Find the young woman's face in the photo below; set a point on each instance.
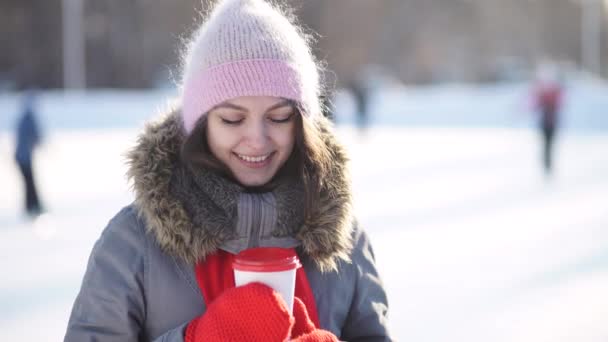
(253, 136)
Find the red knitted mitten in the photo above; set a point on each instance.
(253, 312)
(304, 330)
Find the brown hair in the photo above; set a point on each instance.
(310, 159)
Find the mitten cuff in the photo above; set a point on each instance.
(189, 334)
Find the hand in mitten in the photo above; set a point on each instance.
(253, 312)
(304, 330)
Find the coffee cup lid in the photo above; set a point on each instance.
(266, 259)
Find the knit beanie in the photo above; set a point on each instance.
(247, 48)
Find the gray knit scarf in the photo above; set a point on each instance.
(238, 218)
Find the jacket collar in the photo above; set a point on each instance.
(154, 164)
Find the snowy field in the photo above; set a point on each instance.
(472, 241)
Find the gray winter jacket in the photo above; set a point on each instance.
(140, 284)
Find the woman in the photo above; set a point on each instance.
(247, 161)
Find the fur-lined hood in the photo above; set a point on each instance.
(325, 237)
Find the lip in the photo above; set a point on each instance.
(256, 165)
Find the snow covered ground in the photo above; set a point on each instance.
(472, 241)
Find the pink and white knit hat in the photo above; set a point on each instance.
(247, 48)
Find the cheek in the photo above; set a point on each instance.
(285, 142)
(218, 142)
(286, 139)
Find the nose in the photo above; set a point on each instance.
(257, 136)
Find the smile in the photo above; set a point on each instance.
(253, 159)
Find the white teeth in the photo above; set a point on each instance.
(253, 159)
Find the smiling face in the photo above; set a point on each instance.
(253, 136)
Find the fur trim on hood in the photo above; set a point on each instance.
(325, 237)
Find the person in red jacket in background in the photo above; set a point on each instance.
(548, 93)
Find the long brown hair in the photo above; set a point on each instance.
(309, 160)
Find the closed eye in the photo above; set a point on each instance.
(282, 120)
(232, 122)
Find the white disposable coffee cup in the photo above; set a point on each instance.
(275, 267)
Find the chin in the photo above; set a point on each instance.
(253, 182)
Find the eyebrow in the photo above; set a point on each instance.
(226, 104)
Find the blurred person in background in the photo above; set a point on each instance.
(547, 98)
(245, 160)
(27, 139)
(360, 92)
